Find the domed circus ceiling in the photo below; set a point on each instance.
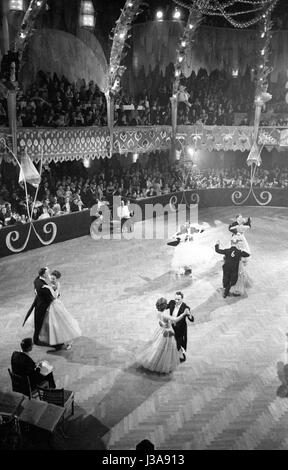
(56, 51)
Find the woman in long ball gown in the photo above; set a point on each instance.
(188, 252)
(238, 236)
(59, 327)
(160, 354)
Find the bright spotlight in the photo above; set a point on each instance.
(159, 15)
(176, 14)
(190, 151)
(86, 162)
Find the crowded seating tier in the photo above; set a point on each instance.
(74, 190)
(211, 99)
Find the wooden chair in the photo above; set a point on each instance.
(57, 396)
(10, 434)
(21, 384)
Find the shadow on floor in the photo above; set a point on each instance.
(85, 351)
(132, 387)
(167, 281)
(202, 313)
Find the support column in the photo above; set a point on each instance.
(110, 118)
(174, 107)
(11, 102)
(5, 34)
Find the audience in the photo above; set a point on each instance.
(210, 99)
(55, 102)
(75, 190)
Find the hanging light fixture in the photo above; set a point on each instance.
(87, 14)
(176, 14)
(16, 5)
(86, 162)
(159, 15)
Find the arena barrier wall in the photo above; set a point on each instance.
(24, 237)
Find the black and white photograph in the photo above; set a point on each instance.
(143, 227)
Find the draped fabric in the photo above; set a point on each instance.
(155, 43)
(52, 51)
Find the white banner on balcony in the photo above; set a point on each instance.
(283, 141)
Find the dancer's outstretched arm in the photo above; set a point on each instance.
(218, 250)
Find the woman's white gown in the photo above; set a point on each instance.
(58, 326)
(160, 353)
(244, 280)
(189, 253)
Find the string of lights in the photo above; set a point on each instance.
(251, 22)
(264, 50)
(237, 13)
(261, 94)
(217, 8)
(27, 24)
(186, 39)
(131, 9)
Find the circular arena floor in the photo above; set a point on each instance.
(227, 395)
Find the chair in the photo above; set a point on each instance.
(10, 434)
(57, 396)
(22, 384)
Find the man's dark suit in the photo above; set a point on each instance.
(22, 364)
(43, 299)
(231, 265)
(180, 328)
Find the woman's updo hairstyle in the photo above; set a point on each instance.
(161, 304)
(56, 273)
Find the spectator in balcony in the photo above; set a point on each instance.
(92, 194)
(66, 206)
(90, 118)
(3, 216)
(44, 214)
(22, 219)
(183, 96)
(151, 192)
(158, 186)
(68, 192)
(3, 116)
(56, 208)
(60, 193)
(79, 119)
(76, 204)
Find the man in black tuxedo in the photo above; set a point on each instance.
(43, 299)
(231, 265)
(177, 307)
(22, 364)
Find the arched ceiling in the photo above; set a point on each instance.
(52, 51)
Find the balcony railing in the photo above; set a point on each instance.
(72, 143)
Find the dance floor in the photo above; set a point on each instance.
(227, 395)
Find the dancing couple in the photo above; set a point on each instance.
(53, 324)
(187, 249)
(235, 279)
(167, 348)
